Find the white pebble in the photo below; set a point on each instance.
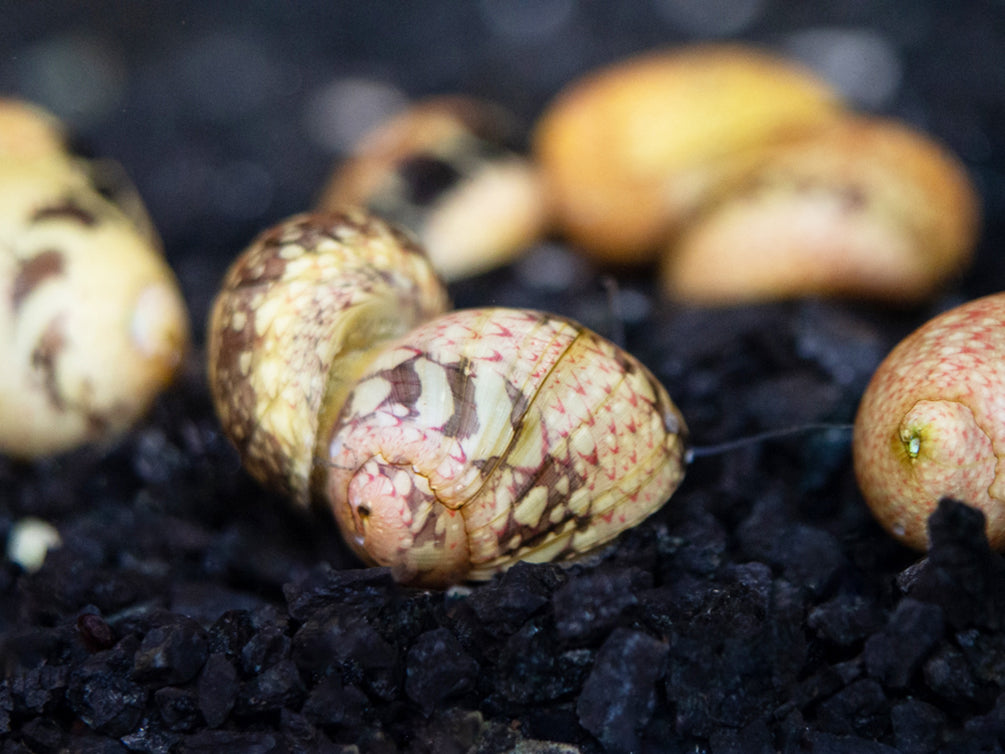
(29, 541)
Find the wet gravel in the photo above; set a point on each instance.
(761, 610)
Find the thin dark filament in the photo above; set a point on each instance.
(771, 434)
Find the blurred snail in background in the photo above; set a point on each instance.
(862, 207)
(448, 445)
(629, 151)
(443, 168)
(931, 423)
(29, 132)
(92, 323)
(744, 174)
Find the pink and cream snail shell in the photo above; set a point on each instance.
(448, 445)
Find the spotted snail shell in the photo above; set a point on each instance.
(931, 423)
(93, 325)
(449, 445)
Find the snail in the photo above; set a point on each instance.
(92, 323)
(629, 151)
(28, 132)
(931, 423)
(444, 169)
(862, 207)
(746, 179)
(447, 444)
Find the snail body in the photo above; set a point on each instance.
(455, 445)
(931, 423)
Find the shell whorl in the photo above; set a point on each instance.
(489, 436)
(931, 425)
(297, 318)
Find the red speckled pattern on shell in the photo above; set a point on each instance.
(524, 435)
(932, 423)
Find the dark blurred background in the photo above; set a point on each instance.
(229, 115)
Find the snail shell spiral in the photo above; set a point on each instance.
(295, 320)
(448, 445)
(932, 423)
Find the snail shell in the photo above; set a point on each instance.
(630, 150)
(861, 207)
(29, 132)
(294, 325)
(448, 445)
(931, 423)
(444, 169)
(92, 323)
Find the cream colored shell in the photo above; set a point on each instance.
(92, 324)
(864, 207)
(629, 151)
(442, 168)
(295, 320)
(28, 132)
(448, 445)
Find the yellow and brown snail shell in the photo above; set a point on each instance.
(448, 445)
(630, 150)
(444, 169)
(861, 207)
(749, 180)
(92, 323)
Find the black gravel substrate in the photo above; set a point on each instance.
(761, 610)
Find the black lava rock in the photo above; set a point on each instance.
(620, 693)
(437, 668)
(171, 653)
(895, 653)
(178, 708)
(961, 573)
(917, 726)
(332, 702)
(217, 689)
(532, 669)
(103, 696)
(274, 688)
(591, 606)
(845, 619)
(860, 708)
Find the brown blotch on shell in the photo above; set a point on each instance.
(68, 209)
(406, 388)
(464, 421)
(33, 272)
(44, 358)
